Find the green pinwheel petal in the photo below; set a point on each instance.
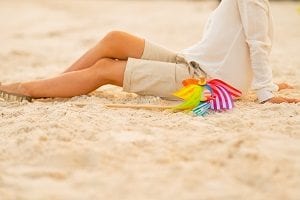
(192, 102)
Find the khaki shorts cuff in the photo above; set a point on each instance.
(128, 75)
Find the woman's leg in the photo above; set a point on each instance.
(80, 82)
(115, 45)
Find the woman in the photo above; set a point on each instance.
(235, 48)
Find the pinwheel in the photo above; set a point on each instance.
(200, 96)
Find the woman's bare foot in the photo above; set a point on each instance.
(14, 91)
(14, 88)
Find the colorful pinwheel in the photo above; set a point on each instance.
(201, 96)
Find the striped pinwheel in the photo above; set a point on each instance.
(200, 96)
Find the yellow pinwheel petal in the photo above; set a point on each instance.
(185, 92)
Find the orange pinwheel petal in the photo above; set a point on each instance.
(190, 81)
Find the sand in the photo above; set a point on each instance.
(79, 149)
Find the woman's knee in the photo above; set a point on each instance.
(113, 37)
(110, 70)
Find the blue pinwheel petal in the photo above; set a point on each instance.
(202, 108)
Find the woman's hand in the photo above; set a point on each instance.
(278, 100)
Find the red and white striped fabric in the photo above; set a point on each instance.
(222, 95)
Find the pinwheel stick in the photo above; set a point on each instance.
(136, 106)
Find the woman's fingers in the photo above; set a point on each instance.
(283, 86)
(278, 100)
(293, 100)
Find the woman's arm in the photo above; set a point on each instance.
(255, 18)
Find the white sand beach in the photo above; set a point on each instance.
(81, 150)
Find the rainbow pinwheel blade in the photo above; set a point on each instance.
(202, 109)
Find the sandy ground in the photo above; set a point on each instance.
(79, 149)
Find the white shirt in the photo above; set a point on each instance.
(236, 46)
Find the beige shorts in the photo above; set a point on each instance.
(159, 72)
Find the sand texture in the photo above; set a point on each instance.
(78, 149)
